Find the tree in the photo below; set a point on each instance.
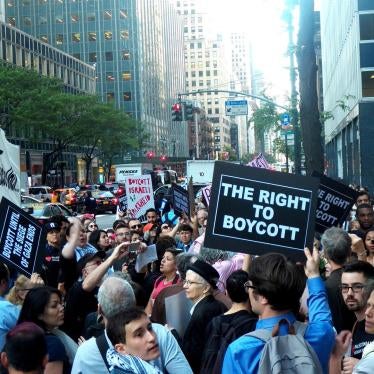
(311, 127)
(265, 119)
(279, 146)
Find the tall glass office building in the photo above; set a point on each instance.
(136, 47)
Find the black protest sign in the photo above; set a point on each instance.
(257, 211)
(22, 239)
(122, 203)
(335, 201)
(180, 198)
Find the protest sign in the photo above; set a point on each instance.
(122, 203)
(335, 201)
(181, 203)
(22, 240)
(139, 193)
(206, 193)
(10, 175)
(256, 211)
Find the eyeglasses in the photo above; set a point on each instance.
(123, 234)
(93, 226)
(355, 288)
(164, 227)
(248, 285)
(96, 263)
(135, 227)
(188, 283)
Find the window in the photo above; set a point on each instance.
(192, 45)
(123, 13)
(367, 78)
(127, 96)
(201, 83)
(27, 21)
(74, 18)
(367, 26)
(207, 73)
(126, 75)
(42, 20)
(11, 21)
(124, 34)
(215, 73)
(92, 36)
(201, 73)
(126, 55)
(193, 83)
(109, 96)
(108, 35)
(59, 19)
(107, 15)
(77, 55)
(110, 76)
(59, 39)
(91, 17)
(207, 64)
(92, 57)
(199, 45)
(208, 83)
(185, 29)
(26, 2)
(108, 56)
(76, 37)
(216, 110)
(193, 74)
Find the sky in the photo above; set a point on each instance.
(262, 21)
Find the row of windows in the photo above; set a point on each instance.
(201, 73)
(200, 64)
(27, 59)
(12, 3)
(200, 54)
(125, 95)
(208, 83)
(193, 29)
(125, 76)
(108, 56)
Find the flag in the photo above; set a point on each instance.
(259, 162)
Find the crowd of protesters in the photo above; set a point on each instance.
(93, 310)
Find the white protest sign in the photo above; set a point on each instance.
(146, 257)
(10, 175)
(139, 194)
(177, 310)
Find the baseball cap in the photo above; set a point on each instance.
(52, 226)
(83, 261)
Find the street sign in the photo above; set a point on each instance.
(236, 107)
(285, 118)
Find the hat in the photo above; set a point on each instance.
(205, 270)
(52, 226)
(87, 258)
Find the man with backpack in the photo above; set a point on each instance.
(280, 343)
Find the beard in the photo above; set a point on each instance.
(354, 305)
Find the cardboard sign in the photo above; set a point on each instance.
(256, 211)
(181, 203)
(335, 201)
(206, 193)
(22, 239)
(139, 193)
(122, 203)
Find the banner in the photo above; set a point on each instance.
(10, 174)
(180, 199)
(257, 211)
(139, 193)
(122, 203)
(335, 201)
(22, 239)
(259, 162)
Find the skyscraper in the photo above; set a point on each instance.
(135, 46)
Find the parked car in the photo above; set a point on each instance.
(43, 193)
(105, 201)
(43, 213)
(117, 189)
(29, 204)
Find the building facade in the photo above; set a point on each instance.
(348, 72)
(135, 47)
(23, 50)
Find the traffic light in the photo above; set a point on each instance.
(150, 155)
(188, 110)
(163, 158)
(177, 112)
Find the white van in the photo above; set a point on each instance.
(43, 193)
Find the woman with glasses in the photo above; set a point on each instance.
(44, 307)
(201, 281)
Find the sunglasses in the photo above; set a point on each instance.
(135, 227)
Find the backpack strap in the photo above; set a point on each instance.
(103, 346)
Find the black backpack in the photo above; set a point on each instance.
(223, 334)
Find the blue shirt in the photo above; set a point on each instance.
(8, 319)
(243, 355)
